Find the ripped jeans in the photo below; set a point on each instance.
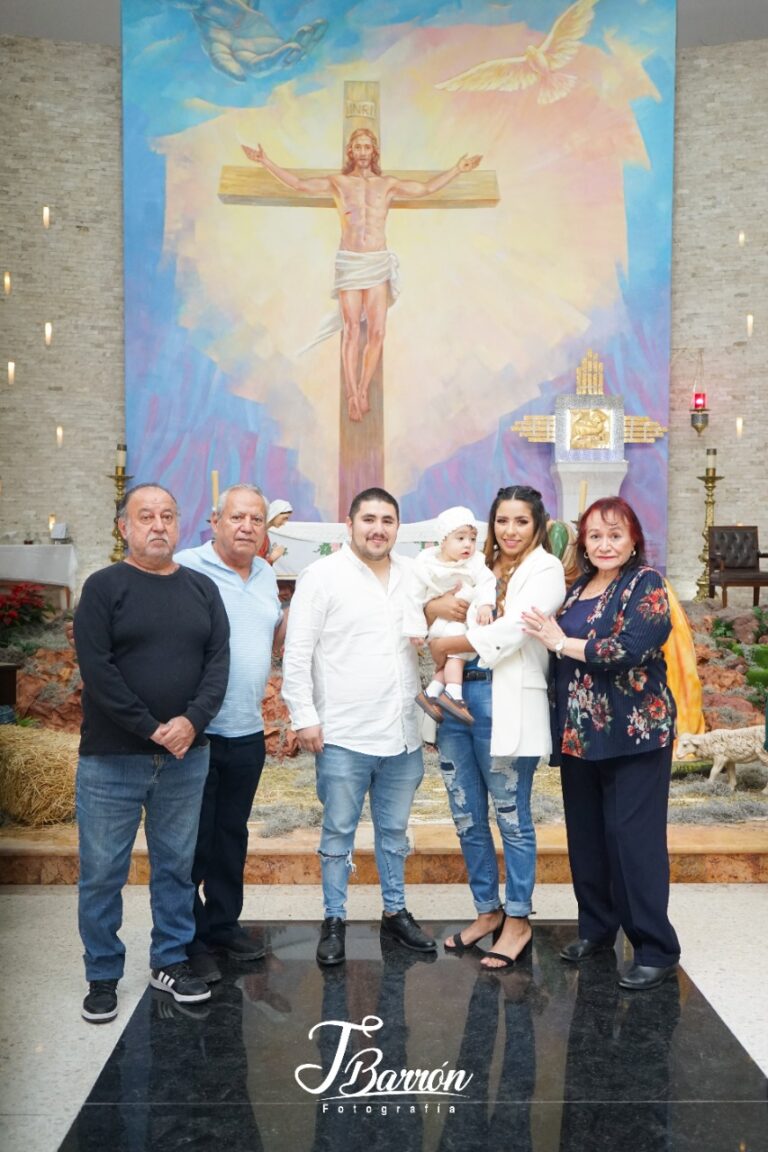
(471, 775)
(344, 777)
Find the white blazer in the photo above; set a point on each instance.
(520, 725)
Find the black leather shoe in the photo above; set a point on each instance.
(582, 949)
(403, 928)
(204, 965)
(640, 977)
(330, 949)
(241, 946)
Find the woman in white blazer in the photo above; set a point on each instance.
(506, 692)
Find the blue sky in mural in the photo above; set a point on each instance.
(175, 388)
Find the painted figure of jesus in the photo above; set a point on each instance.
(366, 271)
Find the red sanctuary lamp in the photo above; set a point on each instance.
(699, 410)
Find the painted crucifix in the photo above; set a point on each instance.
(366, 271)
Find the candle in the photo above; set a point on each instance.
(121, 456)
(750, 323)
(582, 496)
(711, 461)
(59, 435)
(739, 427)
(51, 521)
(214, 489)
(742, 239)
(699, 402)
(46, 217)
(11, 371)
(48, 333)
(7, 283)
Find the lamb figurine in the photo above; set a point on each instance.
(726, 747)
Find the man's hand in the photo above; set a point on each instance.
(447, 607)
(256, 154)
(159, 734)
(310, 739)
(178, 736)
(468, 163)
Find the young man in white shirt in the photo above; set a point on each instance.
(349, 680)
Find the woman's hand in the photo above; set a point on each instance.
(543, 628)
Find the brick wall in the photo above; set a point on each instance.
(61, 147)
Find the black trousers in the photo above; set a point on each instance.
(222, 841)
(616, 819)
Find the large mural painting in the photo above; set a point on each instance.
(362, 241)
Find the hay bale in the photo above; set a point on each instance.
(37, 774)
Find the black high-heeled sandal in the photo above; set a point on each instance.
(459, 947)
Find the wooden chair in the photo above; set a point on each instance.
(734, 560)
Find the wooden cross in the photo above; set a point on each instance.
(361, 444)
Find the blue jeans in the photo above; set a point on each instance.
(471, 775)
(111, 792)
(343, 779)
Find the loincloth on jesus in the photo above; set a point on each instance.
(356, 271)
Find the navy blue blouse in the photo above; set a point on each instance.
(615, 702)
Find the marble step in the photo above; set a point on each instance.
(699, 854)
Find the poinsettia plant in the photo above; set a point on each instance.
(23, 604)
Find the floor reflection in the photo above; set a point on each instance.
(401, 1051)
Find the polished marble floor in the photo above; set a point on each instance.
(542, 1058)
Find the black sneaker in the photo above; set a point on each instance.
(403, 928)
(181, 982)
(100, 1005)
(331, 949)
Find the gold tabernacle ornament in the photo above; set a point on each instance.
(589, 427)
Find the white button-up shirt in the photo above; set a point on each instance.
(347, 665)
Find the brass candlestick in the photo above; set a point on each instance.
(120, 479)
(709, 479)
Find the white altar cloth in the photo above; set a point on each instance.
(54, 564)
(306, 540)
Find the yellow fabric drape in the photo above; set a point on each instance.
(682, 675)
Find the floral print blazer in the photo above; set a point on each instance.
(616, 702)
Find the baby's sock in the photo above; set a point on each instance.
(434, 689)
(454, 691)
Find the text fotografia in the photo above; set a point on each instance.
(363, 1075)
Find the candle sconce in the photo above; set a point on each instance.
(120, 479)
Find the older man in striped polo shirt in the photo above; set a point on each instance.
(249, 590)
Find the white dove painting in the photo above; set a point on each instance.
(540, 64)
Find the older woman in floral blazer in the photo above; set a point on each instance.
(614, 725)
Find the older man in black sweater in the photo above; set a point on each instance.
(152, 641)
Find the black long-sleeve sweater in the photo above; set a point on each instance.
(150, 648)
